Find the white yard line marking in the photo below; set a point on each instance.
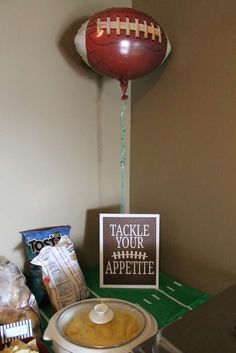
(175, 300)
(44, 315)
(147, 301)
(92, 292)
(155, 296)
(170, 288)
(177, 284)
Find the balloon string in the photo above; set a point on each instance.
(123, 155)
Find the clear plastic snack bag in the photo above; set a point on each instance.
(62, 275)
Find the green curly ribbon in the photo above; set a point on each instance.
(123, 155)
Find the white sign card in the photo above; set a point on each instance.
(20, 329)
(129, 250)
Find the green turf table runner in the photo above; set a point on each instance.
(171, 301)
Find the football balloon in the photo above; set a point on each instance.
(122, 43)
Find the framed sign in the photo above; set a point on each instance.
(129, 250)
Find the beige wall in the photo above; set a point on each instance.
(183, 134)
(59, 134)
(59, 125)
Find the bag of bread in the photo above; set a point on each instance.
(17, 303)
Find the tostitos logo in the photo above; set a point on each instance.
(36, 245)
